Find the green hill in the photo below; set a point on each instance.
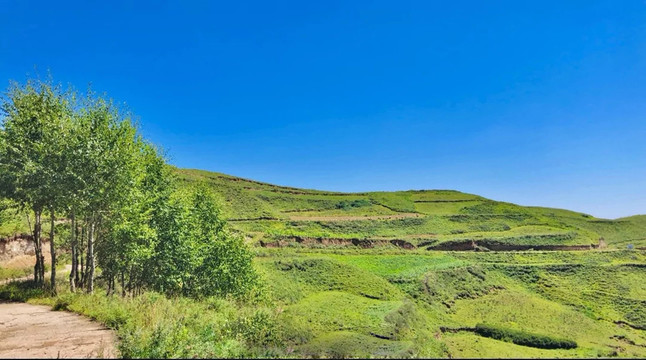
(435, 219)
(352, 276)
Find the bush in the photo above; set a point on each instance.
(21, 291)
(345, 204)
(524, 338)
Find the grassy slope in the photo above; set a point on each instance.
(395, 303)
(336, 301)
(353, 302)
(270, 212)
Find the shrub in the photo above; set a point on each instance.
(21, 291)
(345, 204)
(524, 338)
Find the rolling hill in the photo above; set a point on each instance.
(352, 277)
(272, 215)
(350, 274)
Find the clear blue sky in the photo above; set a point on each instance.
(537, 103)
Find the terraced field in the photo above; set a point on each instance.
(432, 219)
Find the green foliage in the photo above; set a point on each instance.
(83, 158)
(524, 338)
(12, 219)
(194, 254)
(163, 229)
(21, 291)
(345, 205)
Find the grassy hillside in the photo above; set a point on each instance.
(341, 284)
(427, 304)
(441, 219)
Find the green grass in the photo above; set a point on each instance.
(390, 303)
(154, 326)
(6, 274)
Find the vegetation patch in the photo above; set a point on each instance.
(523, 338)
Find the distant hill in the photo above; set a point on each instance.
(274, 215)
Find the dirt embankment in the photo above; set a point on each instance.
(466, 245)
(488, 245)
(354, 218)
(18, 251)
(314, 241)
(33, 331)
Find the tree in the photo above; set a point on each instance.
(34, 119)
(85, 160)
(107, 166)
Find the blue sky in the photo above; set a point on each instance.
(537, 103)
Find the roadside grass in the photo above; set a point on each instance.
(154, 326)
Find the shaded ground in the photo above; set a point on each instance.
(34, 331)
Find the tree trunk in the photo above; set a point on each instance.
(123, 285)
(33, 238)
(73, 275)
(52, 249)
(90, 258)
(39, 269)
(81, 282)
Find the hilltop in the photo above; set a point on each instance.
(272, 215)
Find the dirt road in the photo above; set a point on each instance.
(34, 331)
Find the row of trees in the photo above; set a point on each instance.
(80, 162)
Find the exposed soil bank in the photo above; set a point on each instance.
(19, 244)
(34, 331)
(312, 241)
(466, 245)
(356, 218)
(18, 251)
(489, 245)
